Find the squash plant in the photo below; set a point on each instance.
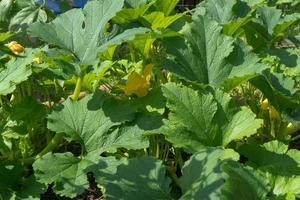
(133, 100)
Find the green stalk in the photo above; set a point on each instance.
(174, 176)
(179, 157)
(132, 53)
(157, 149)
(296, 138)
(77, 89)
(166, 152)
(146, 153)
(29, 90)
(51, 146)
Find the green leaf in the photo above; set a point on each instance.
(278, 164)
(13, 186)
(242, 124)
(284, 185)
(285, 23)
(280, 90)
(202, 176)
(82, 121)
(66, 171)
(31, 190)
(28, 109)
(166, 6)
(128, 15)
(129, 137)
(135, 4)
(207, 56)
(5, 36)
(137, 178)
(257, 35)
(194, 111)
(276, 25)
(206, 175)
(17, 70)
(5, 6)
(85, 122)
(27, 16)
(86, 36)
(243, 183)
(158, 20)
(245, 65)
(254, 3)
(231, 14)
(269, 17)
(10, 175)
(272, 157)
(202, 57)
(154, 101)
(198, 120)
(220, 10)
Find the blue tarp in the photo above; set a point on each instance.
(54, 4)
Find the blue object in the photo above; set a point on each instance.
(79, 3)
(55, 4)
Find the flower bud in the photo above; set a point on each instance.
(15, 47)
(37, 61)
(265, 104)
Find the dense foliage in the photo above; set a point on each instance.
(149, 103)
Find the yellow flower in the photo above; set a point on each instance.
(265, 104)
(137, 84)
(273, 113)
(15, 47)
(37, 61)
(290, 125)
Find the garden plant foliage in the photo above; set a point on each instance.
(137, 101)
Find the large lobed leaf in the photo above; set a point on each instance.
(207, 175)
(136, 179)
(15, 187)
(66, 172)
(209, 57)
(86, 35)
(86, 123)
(17, 70)
(198, 120)
(278, 164)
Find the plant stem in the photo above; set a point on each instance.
(28, 87)
(77, 89)
(157, 148)
(132, 53)
(173, 176)
(179, 157)
(51, 145)
(296, 138)
(166, 155)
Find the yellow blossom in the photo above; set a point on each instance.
(137, 84)
(273, 113)
(290, 125)
(265, 104)
(15, 47)
(37, 61)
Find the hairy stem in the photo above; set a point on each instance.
(51, 146)
(77, 89)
